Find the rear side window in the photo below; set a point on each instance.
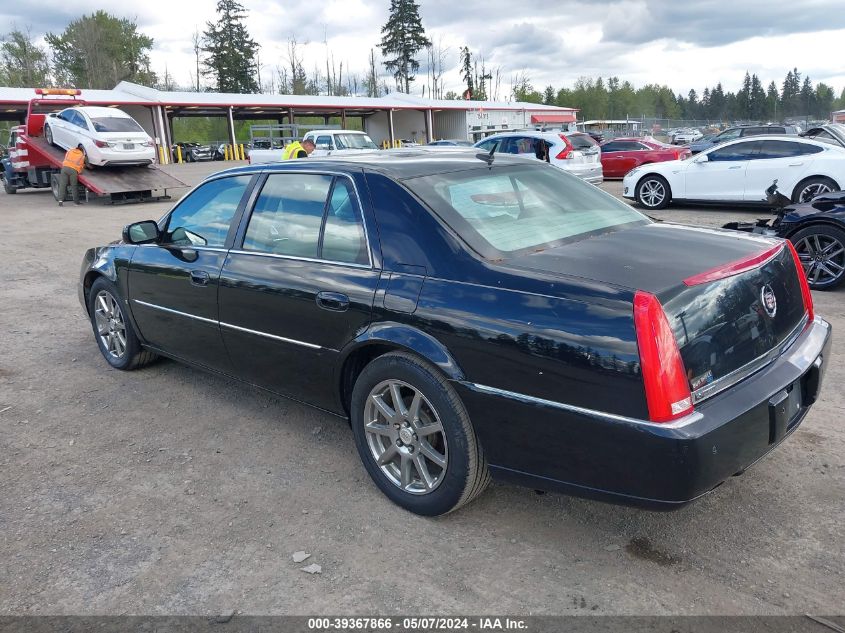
(775, 130)
(343, 236)
(203, 217)
(488, 144)
(784, 149)
(581, 141)
(751, 131)
(615, 147)
(288, 214)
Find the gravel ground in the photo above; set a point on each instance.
(171, 491)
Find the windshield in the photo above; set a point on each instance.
(503, 210)
(354, 141)
(115, 124)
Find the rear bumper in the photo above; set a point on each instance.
(557, 447)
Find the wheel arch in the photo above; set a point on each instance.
(813, 223)
(653, 173)
(382, 339)
(801, 182)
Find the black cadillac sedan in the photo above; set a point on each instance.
(473, 316)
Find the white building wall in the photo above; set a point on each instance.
(450, 124)
(407, 124)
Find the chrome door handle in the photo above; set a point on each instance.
(795, 164)
(199, 278)
(334, 301)
(736, 167)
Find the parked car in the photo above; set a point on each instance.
(686, 136)
(529, 327)
(598, 137)
(327, 143)
(621, 155)
(574, 152)
(816, 229)
(733, 133)
(833, 133)
(107, 136)
(193, 152)
(451, 143)
(740, 171)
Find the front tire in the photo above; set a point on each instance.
(808, 189)
(113, 332)
(415, 437)
(48, 134)
(653, 192)
(8, 187)
(821, 250)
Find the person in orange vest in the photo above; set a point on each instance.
(72, 166)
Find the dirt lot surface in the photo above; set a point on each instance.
(171, 491)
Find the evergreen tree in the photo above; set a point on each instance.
(23, 64)
(790, 94)
(230, 51)
(772, 102)
(549, 96)
(466, 71)
(693, 108)
(807, 97)
(403, 37)
(824, 101)
(757, 99)
(100, 51)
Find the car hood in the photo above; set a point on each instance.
(653, 257)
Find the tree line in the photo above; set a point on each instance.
(100, 50)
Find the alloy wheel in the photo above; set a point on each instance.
(652, 193)
(405, 437)
(812, 190)
(111, 327)
(823, 258)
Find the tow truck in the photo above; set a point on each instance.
(33, 163)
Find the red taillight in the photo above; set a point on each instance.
(102, 144)
(666, 388)
(567, 148)
(734, 268)
(802, 279)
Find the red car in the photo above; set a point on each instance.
(621, 155)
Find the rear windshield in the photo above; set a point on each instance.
(115, 124)
(354, 141)
(503, 210)
(581, 141)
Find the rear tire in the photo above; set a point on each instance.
(88, 164)
(653, 192)
(808, 189)
(415, 437)
(9, 187)
(821, 249)
(113, 332)
(54, 185)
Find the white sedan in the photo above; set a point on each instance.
(686, 136)
(741, 171)
(108, 136)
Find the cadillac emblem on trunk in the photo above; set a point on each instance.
(767, 298)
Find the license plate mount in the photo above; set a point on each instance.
(784, 411)
(129, 146)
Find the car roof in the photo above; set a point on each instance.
(555, 136)
(398, 164)
(778, 137)
(101, 111)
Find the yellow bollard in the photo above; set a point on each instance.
(226, 152)
(241, 152)
(179, 154)
(160, 155)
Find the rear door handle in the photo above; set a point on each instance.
(333, 301)
(736, 167)
(795, 164)
(199, 278)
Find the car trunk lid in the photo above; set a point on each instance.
(732, 300)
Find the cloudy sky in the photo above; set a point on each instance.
(684, 44)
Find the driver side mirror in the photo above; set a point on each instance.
(145, 232)
(702, 159)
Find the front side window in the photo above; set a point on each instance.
(727, 135)
(288, 215)
(204, 216)
(511, 208)
(488, 144)
(735, 152)
(324, 142)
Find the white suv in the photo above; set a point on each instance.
(574, 152)
(339, 142)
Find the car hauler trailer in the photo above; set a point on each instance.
(34, 163)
